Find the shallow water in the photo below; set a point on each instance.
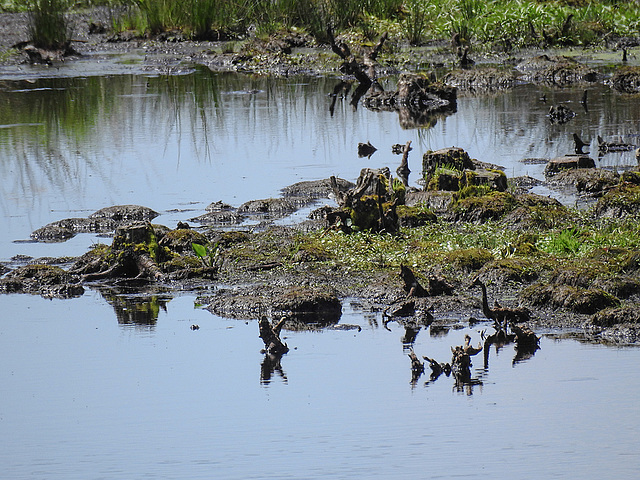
(86, 397)
(112, 386)
(70, 146)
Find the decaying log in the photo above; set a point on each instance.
(270, 335)
(438, 369)
(417, 367)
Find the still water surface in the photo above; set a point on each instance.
(87, 393)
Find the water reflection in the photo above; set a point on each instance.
(465, 378)
(177, 143)
(136, 309)
(271, 365)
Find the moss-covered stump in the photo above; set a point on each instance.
(180, 240)
(492, 206)
(134, 253)
(307, 304)
(45, 280)
(568, 162)
(370, 205)
(416, 216)
(620, 201)
(452, 158)
(494, 179)
(574, 299)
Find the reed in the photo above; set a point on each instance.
(48, 26)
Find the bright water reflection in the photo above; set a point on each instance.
(87, 397)
(70, 146)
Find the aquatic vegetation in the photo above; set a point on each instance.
(208, 256)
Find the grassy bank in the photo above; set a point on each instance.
(491, 24)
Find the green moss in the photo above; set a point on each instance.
(620, 201)
(181, 263)
(471, 190)
(309, 249)
(488, 207)
(469, 259)
(415, 216)
(185, 235)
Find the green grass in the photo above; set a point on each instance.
(484, 24)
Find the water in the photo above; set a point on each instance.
(85, 397)
(70, 146)
(113, 386)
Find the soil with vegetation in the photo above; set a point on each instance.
(469, 230)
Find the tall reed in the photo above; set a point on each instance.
(48, 26)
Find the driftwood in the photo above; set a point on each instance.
(417, 367)
(606, 147)
(364, 71)
(270, 335)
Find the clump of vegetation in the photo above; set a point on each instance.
(469, 259)
(48, 26)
